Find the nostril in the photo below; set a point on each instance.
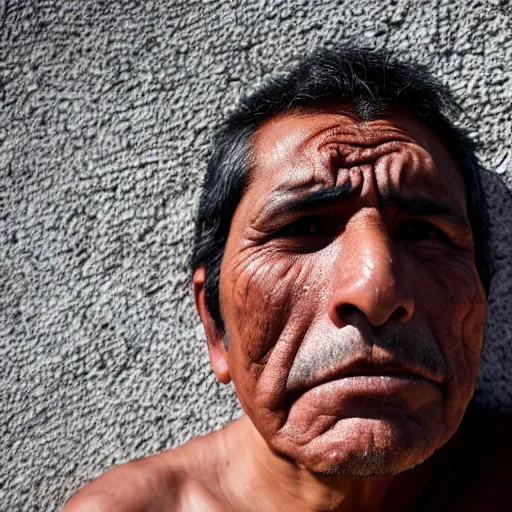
(347, 310)
(400, 314)
(345, 314)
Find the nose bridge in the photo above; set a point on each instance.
(375, 255)
(369, 278)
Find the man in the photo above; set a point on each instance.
(340, 272)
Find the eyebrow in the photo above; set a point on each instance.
(423, 207)
(323, 198)
(286, 202)
(318, 198)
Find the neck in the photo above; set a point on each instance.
(280, 480)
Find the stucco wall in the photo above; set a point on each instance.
(106, 116)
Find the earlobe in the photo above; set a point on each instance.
(214, 337)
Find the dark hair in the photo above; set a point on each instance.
(368, 80)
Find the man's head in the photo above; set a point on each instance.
(341, 250)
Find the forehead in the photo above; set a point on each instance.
(293, 149)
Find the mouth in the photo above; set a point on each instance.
(362, 373)
(370, 394)
(398, 374)
(373, 381)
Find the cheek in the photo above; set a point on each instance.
(455, 304)
(265, 289)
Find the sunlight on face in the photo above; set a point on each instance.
(350, 294)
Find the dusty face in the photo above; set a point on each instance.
(349, 292)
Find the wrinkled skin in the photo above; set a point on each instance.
(354, 327)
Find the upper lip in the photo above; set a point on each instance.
(364, 367)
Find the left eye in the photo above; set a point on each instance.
(416, 230)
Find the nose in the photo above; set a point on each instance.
(368, 278)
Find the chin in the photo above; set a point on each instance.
(369, 464)
(366, 447)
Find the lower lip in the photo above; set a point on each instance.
(407, 388)
(375, 384)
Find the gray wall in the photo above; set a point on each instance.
(107, 111)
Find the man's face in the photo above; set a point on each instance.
(349, 292)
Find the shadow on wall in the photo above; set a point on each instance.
(494, 388)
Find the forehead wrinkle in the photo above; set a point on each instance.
(308, 131)
(311, 142)
(414, 168)
(364, 135)
(280, 146)
(301, 159)
(293, 144)
(306, 154)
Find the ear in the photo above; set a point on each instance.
(214, 337)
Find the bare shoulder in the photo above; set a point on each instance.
(130, 487)
(174, 480)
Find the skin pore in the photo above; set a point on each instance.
(352, 303)
(354, 319)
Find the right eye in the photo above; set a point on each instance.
(306, 226)
(308, 234)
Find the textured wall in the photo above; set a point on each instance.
(107, 109)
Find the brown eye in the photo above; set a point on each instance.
(308, 234)
(307, 226)
(419, 230)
